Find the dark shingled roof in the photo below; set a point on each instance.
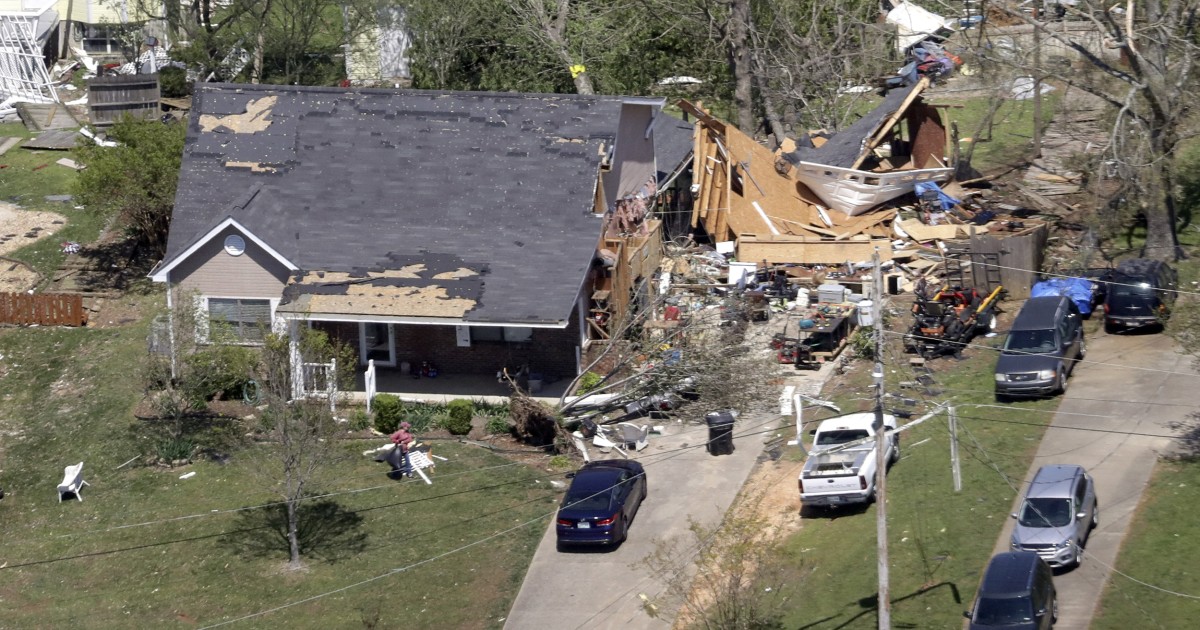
(844, 147)
(356, 179)
(673, 143)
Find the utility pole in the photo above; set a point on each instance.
(881, 541)
(955, 464)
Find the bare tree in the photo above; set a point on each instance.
(728, 576)
(1137, 58)
(300, 433)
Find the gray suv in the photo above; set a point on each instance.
(1058, 513)
(1042, 348)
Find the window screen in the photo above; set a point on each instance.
(238, 321)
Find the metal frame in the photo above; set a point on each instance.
(22, 67)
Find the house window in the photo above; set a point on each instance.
(502, 334)
(237, 320)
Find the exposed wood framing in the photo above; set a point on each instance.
(791, 249)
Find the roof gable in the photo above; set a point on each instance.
(360, 181)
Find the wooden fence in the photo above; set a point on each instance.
(110, 98)
(43, 309)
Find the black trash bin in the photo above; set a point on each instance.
(720, 432)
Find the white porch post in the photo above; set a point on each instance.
(296, 360)
(369, 382)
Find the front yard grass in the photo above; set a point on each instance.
(67, 395)
(1160, 552)
(939, 540)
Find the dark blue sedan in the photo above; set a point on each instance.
(603, 499)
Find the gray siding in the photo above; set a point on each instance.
(212, 271)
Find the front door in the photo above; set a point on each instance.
(377, 342)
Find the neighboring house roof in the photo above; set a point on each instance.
(470, 206)
(844, 147)
(673, 143)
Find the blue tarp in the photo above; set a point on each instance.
(946, 200)
(1078, 290)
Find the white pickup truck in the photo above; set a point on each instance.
(846, 475)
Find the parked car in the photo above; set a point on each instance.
(1042, 348)
(1139, 295)
(602, 501)
(1017, 592)
(1059, 512)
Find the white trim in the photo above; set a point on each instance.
(420, 321)
(161, 274)
(362, 345)
(644, 100)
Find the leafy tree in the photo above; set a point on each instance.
(135, 180)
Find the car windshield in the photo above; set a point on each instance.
(1046, 513)
(1000, 612)
(833, 438)
(1024, 341)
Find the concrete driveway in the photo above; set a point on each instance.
(600, 588)
(1128, 385)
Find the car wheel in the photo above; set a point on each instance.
(895, 456)
(1002, 398)
(1054, 612)
(1082, 348)
(1062, 381)
(624, 530)
(1110, 328)
(1078, 555)
(1095, 515)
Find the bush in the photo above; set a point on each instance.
(458, 416)
(174, 448)
(219, 371)
(425, 416)
(588, 382)
(360, 420)
(389, 411)
(173, 82)
(497, 425)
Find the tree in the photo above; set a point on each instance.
(1149, 89)
(135, 180)
(738, 577)
(301, 433)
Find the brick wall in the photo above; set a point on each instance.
(551, 351)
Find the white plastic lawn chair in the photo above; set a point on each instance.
(634, 436)
(72, 482)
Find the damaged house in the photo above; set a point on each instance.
(471, 231)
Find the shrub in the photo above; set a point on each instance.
(425, 416)
(588, 382)
(458, 417)
(171, 449)
(219, 371)
(360, 420)
(389, 411)
(174, 83)
(497, 425)
(561, 462)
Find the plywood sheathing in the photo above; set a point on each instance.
(788, 249)
(256, 118)
(929, 135)
(255, 167)
(386, 293)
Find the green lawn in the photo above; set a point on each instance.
(1011, 131)
(939, 540)
(1158, 556)
(68, 395)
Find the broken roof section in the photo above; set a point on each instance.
(850, 172)
(491, 194)
(23, 34)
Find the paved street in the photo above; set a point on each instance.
(1128, 384)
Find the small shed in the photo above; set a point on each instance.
(111, 98)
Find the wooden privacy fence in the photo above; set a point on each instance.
(43, 309)
(110, 98)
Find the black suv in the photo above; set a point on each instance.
(1139, 295)
(1017, 592)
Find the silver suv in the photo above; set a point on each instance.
(1058, 513)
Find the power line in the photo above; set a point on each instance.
(678, 452)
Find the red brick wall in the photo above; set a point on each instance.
(551, 352)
